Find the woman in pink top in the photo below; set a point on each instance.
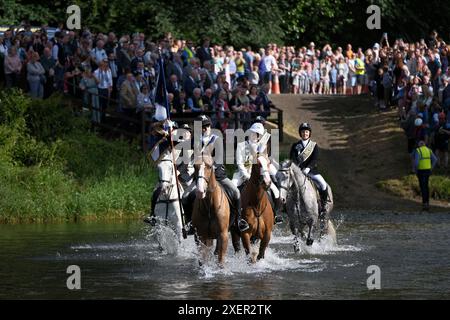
(12, 66)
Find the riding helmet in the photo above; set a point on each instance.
(206, 121)
(304, 126)
(260, 119)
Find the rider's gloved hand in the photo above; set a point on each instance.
(306, 171)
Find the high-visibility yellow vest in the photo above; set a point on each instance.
(424, 158)
(189, 52)
(359, 66)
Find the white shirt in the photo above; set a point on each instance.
(98, 55)
(104, 78)
(305, 143)
(269, 62)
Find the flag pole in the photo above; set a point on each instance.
(166, 104)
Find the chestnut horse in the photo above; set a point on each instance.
(257, 210)
(211, 212)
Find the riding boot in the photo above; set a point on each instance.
(277, 218)
(188, 203)
(242, 224)
(151, 218)
(323, 203)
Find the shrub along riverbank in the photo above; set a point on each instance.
(52, 167)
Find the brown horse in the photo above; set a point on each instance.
(211, 212)
(257, 210)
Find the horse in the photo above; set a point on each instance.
(297, 191)
(211, 211)
(167, 208)
(257, 210)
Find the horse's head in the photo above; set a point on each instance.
(204, 169)
(263, 164)
(284, 179)
(166, 177)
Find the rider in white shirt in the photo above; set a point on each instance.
(246, 154)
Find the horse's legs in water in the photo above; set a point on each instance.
(203, 245)
(222, 245)
(309, 240)
(235, 238)
(296, 240)
(263, 245)
(246, 241)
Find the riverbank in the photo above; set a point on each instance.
(54, 168)
(363, 153)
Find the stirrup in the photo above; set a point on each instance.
(243, 225)
(278, 219)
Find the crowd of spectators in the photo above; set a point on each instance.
(229, 82)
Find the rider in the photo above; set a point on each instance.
(186, 178)
(230, 189)
(159, 144)
(304, 154)
(246, 154)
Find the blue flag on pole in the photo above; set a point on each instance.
(161, 89)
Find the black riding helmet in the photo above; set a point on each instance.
(304, 126)
(206, 121)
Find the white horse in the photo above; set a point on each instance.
(297, 191)
(167, 209)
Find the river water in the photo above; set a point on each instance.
(124, 261)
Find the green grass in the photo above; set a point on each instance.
(53, 168)
(408, 186)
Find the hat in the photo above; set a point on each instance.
(186, 127)
(304, 126)
(376, 46)
(260, 119)
(206, 121)
(257, 128)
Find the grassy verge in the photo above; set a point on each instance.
(53, 168)
(408, 187)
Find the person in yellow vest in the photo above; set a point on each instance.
(360, 68)
(187, 53)
(424, 162)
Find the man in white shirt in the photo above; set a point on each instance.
(270, 65)
(105, 84)
(98, 54)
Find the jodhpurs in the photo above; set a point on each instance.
(319, 180)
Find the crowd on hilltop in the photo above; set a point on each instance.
(229, 82)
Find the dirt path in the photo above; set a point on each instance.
(359, 147)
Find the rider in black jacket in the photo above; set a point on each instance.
(305, 154)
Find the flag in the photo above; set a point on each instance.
(161, 89)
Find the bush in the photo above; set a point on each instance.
(53, 168)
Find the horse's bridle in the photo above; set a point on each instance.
(207, 180)
(281, 186)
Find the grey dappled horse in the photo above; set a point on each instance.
(297, 191)
(167, 209)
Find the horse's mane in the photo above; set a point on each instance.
(296, 175)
